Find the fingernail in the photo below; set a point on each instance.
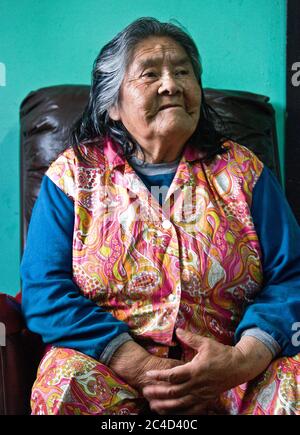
(179, 331)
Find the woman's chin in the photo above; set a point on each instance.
(176, 134)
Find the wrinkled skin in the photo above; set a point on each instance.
(160, 99)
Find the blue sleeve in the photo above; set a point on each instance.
(51, 301)
(276, 309)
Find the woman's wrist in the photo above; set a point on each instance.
(131, 362)
(252, 358)
(128, 362)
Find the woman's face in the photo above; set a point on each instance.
(160, 97)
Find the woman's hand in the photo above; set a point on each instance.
(131, 362)
(195, 387)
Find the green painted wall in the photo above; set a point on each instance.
(48, 42)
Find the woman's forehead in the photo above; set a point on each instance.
(154, 50)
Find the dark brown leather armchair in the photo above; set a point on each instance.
(45, 118)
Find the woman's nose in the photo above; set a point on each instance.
(169, 85)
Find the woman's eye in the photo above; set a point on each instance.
(149, 74)
(182, 72)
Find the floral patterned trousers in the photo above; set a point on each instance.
(69, 383)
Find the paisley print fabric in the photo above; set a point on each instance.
(193, 263)
(69, 383)
(274, 392)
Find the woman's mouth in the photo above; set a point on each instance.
(169, 106)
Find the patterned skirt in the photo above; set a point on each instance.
(69, 383)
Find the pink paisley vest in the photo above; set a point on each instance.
(194, 263)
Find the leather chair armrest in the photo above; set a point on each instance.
(20, 353)
(10, 315)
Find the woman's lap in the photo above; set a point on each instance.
(275, 392)
(69, 382)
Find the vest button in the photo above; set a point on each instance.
(166, 225)
(172, 298)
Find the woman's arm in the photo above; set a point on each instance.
(52, 303)
(277, 307)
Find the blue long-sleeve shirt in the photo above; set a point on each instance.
(54, 307)
(52, 303)
(276, 308)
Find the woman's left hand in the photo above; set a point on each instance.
(195, 387)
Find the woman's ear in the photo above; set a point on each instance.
(114, 113)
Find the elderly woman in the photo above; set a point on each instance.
(162, 263)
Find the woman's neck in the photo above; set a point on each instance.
(159, 155)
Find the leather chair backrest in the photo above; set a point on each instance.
(47, 114)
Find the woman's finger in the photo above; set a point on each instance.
(166, 390)
(176, 375)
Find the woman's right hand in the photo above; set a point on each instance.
(131, 362)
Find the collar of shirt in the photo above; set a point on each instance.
(113, 153)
